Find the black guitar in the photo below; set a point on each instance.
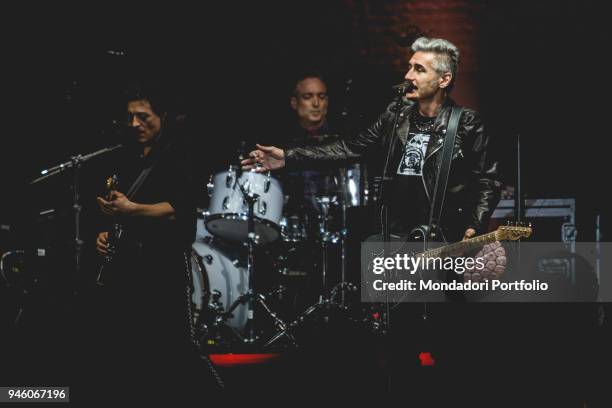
(114, 235)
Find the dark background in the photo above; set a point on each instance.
(534, 69)
(541, 71)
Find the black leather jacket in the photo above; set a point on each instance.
(473, 188)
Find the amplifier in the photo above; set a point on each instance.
(553, 219)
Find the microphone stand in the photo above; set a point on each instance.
(384, 199)
(519, 202)
(75, 164)
(384, 194)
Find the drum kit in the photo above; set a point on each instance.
(247, 252)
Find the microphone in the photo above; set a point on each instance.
(403, 88)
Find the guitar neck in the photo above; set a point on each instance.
(460, 247)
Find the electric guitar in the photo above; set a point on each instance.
(502, 233)
(398, 247)
(114, 235)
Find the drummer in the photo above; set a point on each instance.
(310, 101)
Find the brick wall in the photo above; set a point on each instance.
(383, 31)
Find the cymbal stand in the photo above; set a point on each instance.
(327, 299)
(252, 297)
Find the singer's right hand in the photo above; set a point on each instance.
(265, 158)
(102, 243)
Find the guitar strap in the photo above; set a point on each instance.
(138, 182)
(444, 165)
(145, 173)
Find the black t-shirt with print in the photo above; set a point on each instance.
(409, 205)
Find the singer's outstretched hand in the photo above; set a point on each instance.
(265, 158)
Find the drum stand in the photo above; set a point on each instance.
(252, 297)
(327, 300)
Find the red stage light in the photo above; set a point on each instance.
(427, 359)
(230, 360)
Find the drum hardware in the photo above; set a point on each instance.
(324, 304)
(294, 228)
(232, 298)
(353, 185)
(343, 234)
(251, 197)
(326, 237)
(210, 186)
(328, 298)
(243, 205)
(335, 237)
(214, 329)
(286, 271)
(218, 277)
(292, 258)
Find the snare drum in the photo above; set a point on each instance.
(228, 210)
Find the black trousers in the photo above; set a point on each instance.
(143, 344)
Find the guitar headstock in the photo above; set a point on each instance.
(112, 183)
(513, 231)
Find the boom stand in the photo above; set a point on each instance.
(74, 163)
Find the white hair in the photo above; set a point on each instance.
(447, 54)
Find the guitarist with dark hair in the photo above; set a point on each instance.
(147, 278)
